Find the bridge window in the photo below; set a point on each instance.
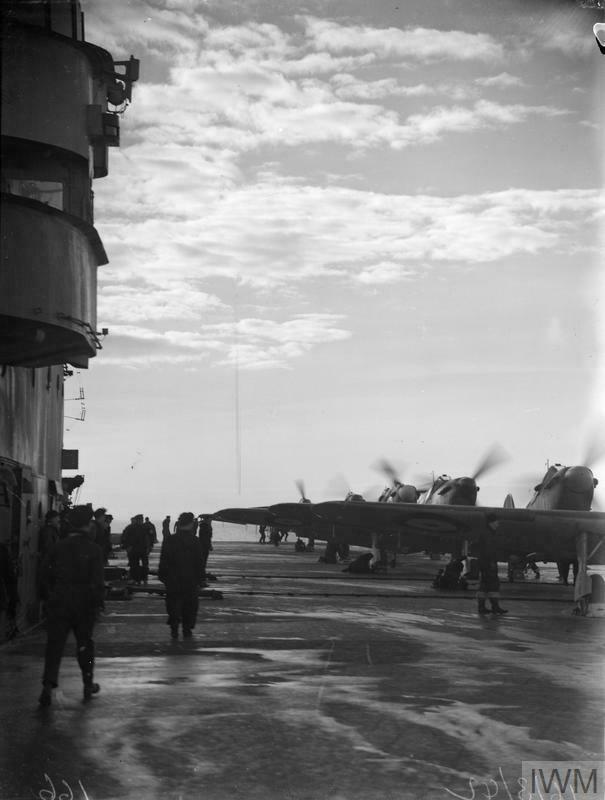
(48, 192)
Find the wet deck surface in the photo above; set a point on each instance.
(307, 683)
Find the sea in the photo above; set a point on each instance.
(221, 531)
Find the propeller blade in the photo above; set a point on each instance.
(527, 482)
(372, 493)
(387, 469)
(423, 481)
(300, 485)
(595, 449)
(495, 455)
(338, 487)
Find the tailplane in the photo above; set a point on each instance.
(508, 501)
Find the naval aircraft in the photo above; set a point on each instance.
(557, 524)
(442, 490)
(294, 516)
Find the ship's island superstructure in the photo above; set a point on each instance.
(61, 103)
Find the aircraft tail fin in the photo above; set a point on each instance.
(508, 501)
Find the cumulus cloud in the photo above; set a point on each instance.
(504, 80)
(276, 234)
(166, 33)
(231, 90)
(484, 114)
(421, 44)
(192, 207)
(165, 300)
(350, 87)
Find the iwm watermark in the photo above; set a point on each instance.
(563, 780)
(540, 780)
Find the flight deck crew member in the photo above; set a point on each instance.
(181, 571)
(48, 535)
(165, 528)
(101, 532)
(204, 533)
(136, 543)
(151, 532)
(489, 582)
(72, 580)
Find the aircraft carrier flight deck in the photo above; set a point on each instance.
(297, 667)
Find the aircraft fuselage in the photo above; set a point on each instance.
(447, 491)
(565, 489)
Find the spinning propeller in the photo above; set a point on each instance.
(300, 485)
(400, 491)
(388, 470)
(595, 450)
(495, 456)
(338, 487)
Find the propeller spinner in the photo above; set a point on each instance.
(399, 492)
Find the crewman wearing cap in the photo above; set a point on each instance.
(72, 580)
(181, 569)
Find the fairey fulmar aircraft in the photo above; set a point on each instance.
(442, 490)
(558, 523)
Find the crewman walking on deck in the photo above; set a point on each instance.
(72, 580)
(48, 536)
(181, 570)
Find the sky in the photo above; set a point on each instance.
(341, 231)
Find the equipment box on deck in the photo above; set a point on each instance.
(116, 584)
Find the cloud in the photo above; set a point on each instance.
(166, 300)
(222, 113)
(231, 90)
(418, 44)
(199, 194)
(502, 81)
(165, 33)
(277, 234)
(249, 343)
(385, 272)
(563, 32)
(427, 128)
(348, 86)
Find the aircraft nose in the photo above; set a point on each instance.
(407, 494)
(580, 479)
(468, 488)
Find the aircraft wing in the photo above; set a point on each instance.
(245, 516)
(284, 515)
(408, 527)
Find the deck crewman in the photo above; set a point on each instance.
(181, 570)
(489, 582)
(73, 586)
